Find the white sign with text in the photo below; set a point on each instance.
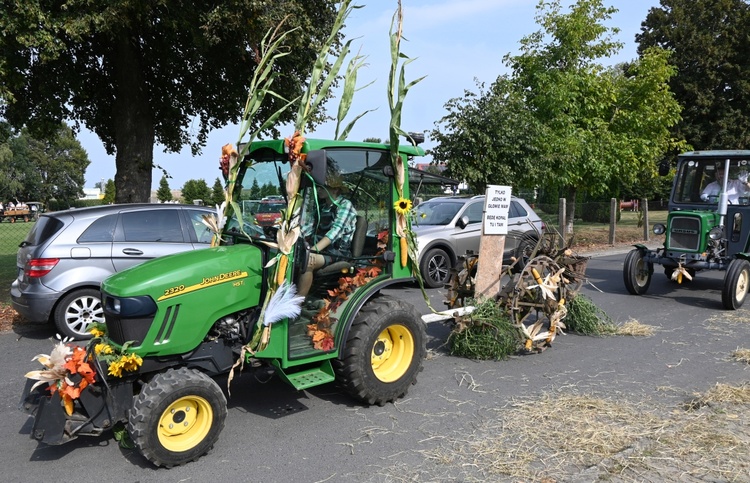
(496, 206)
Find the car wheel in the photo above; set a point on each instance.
(76, 311)
(435, 267)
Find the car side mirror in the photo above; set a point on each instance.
(462, 222)
(317, 161)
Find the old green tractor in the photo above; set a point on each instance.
(706, 227)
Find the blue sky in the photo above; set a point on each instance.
(454, 43)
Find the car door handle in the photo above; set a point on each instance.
(132, 251)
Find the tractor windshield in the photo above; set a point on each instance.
(701, 181)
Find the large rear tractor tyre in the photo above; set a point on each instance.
(76, 311)
(736, 283)
(436, 268)
(637, 272)
(177, 417)
(383, 353)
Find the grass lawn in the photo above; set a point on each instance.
(11, 235)
(588, 234)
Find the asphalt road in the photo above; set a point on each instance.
(275, 434)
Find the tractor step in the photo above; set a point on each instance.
(307, 378)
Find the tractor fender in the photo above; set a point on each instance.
(373, 291)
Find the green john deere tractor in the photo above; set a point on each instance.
(175, 323)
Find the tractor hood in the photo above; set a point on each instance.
(186, 272)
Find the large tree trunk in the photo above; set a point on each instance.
(570, 210)
(134, 126)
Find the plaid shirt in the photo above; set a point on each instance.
(341, 231)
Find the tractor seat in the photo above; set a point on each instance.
(358, 245)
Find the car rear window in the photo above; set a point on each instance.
(101, 230)
(270, 207)
(516, 210)
(43, 230)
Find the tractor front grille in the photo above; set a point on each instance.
(684, 233)
(121, 330)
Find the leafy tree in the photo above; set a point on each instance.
(489, 137)
(109, 192)
(196, 189)
(708, 40)
(601, 126)
(138, 73)
(372, 140)
(217, 193)
(43, 168)
(164, 194)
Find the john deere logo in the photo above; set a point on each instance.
(683, 231)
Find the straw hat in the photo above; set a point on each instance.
(335, 181)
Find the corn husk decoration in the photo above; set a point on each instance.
(549, 284)
(215, 222)
(260, 86)
(54, 363)
(397, 90)
(286, 237)
(679, 273)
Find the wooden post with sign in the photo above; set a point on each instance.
(492, 243)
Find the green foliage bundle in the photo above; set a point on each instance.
(485, 334)
(586, 318)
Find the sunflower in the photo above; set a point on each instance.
(402, 206)
(103, 348)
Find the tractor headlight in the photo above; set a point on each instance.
(716, 233)
(130, 306)
(659, 229)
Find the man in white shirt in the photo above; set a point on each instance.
(735, 187)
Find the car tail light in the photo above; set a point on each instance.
(39, 267)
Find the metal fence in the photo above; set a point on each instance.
(11, 235)
(615, 221)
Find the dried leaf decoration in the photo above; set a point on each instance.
(64, 361)
(320, 329)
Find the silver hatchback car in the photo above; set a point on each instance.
(448, 227)
(67, 254)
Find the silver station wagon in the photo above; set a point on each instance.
(448, 227)
(67, 254)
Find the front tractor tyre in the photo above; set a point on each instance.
(383, 353)
(736, 282)
(637, 272)
(177, 417)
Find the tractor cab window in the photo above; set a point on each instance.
(701, 181)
